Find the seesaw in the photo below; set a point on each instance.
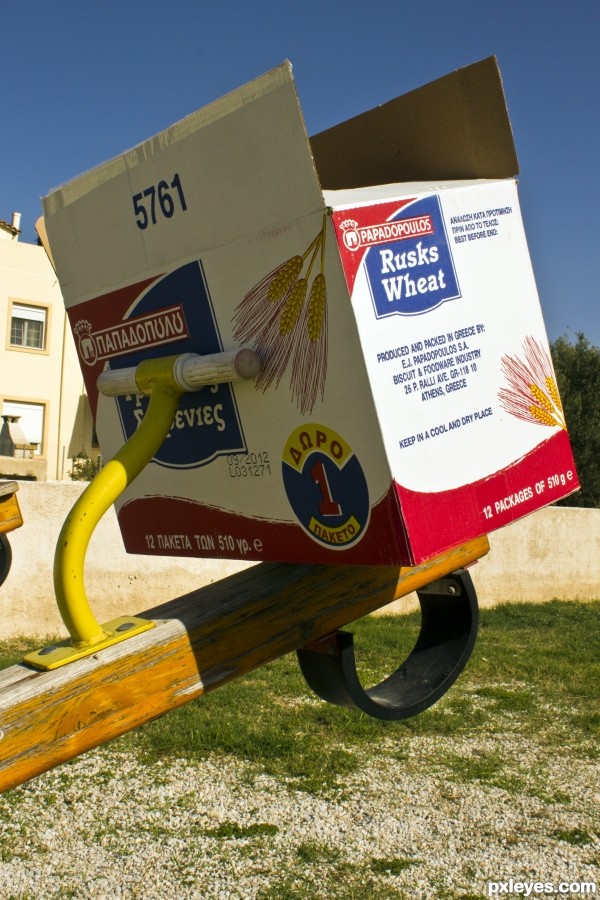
(405, 406)
(108, 679)
(10, 518)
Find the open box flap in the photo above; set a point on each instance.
(456, 127)
(235, 168)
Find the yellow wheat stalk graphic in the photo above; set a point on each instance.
(293, 305)
(282, 323)
(284, 277)
(532, 394)
(317, 306)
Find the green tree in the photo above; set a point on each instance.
(84, 468)
(578, 374)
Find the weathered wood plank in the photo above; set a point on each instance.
(200, 641)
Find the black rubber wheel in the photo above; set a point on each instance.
(449, 619)
(5, 557)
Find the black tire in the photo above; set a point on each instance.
(449, 619)
(5, 557)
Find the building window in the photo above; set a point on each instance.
(28, 326)
(30, 417)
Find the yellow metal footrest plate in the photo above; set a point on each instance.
(63, 652)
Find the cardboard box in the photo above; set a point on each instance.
(407, 401)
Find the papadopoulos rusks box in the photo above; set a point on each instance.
(406, 401)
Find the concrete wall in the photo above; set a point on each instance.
(553, 553)
(11, 466)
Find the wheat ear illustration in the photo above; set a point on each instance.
(532, 394)
(283, 319)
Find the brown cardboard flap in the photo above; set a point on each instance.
(453, 128)
(242, 164)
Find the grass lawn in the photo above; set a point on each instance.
(515, 732)
(535, 671)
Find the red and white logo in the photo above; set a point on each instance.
(160, 327)
(85, 342)
(358, 237)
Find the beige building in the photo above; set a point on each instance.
(46, 419)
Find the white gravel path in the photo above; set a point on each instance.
(106, 826)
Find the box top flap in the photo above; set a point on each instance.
(351, 198)
(225, 169)
(456, 127)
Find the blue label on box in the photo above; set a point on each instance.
(175, 316)
(326, 486)
(413, 272)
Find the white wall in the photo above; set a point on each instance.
(552, 553)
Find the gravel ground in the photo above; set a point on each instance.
(408, 825)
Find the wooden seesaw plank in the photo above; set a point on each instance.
(201, 641)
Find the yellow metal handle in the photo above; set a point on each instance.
(97, 498)
(164, 379)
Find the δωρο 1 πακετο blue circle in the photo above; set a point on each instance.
(326, 486)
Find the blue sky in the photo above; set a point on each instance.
(84, 80)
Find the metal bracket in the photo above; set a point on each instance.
(56, 655)
(449, 620)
